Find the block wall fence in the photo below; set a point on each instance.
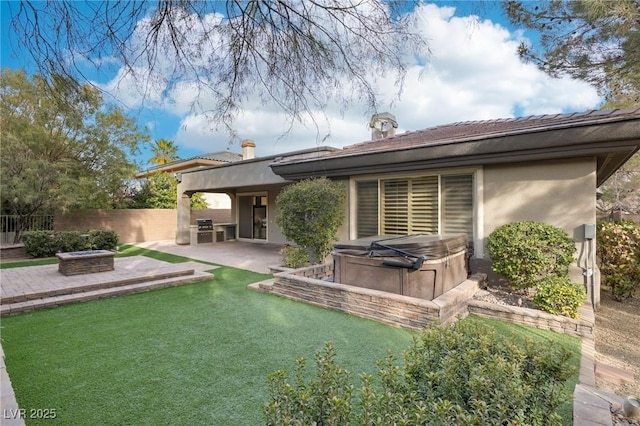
(135, 225)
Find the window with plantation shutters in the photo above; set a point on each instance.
(457, 204)
(437, 204)
(395, 207)
(423, 206)
(367, 208)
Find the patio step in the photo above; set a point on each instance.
(83, 288)
(124, 288)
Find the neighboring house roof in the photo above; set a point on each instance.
(611, 136)
(204, 160)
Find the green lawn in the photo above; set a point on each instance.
(196, 354)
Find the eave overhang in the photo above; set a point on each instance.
(612, 143)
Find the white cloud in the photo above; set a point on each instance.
(136, 87)
(473, 73)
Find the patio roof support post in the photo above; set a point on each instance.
(183, 234)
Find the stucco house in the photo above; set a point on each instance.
(215, 200)
(462, 177)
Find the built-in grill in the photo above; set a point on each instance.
(204, 224)
(205, 230)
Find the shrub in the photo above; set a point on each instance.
(294, 257)
(485, 378)
(527, 252)
(618, 252)
(323, 401)
(310, 212)
(559, 296)
(48, 243)
(67, 241)
(103, 239)
(460, 374)
(39, 243)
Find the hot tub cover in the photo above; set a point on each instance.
(415, 245)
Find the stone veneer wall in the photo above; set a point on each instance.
(12, 252)
(313, 285)
(581, 327)
(85, 263)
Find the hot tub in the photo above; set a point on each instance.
(422, 266)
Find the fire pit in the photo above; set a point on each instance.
(85, 262)
(422, 266)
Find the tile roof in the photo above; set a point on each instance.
(611, 137)
(225, 156)
(487, 129)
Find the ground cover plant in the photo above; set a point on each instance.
(197, 354)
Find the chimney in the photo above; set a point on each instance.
(248, 149)
(383, 125)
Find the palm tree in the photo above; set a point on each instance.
(164, 151)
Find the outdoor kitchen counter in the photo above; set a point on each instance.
(220, 232)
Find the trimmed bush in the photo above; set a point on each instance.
(103, 239)
(460, 374)
(527, 252)
(39, 243)
(48, 243)
(618, 252)
(559, 296)
(310, 212)
(294, 257)
(67, 241)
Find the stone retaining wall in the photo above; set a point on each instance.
(313, 285)
(581, 327)
(15, 251)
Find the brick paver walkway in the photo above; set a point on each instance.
(24, 283)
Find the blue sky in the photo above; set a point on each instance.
(473, 73)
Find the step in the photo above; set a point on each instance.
(86, 296)
(83, 288)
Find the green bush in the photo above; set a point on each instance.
(527, 252)
(559, 296)
(39, 243)
(48, 243)
(67, 241)
(310, 212)
(460, 374)
(323, 401)
(618, 252)
(103, 239)
(294, 257)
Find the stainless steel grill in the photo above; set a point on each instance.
(204, 224)
(205, 230)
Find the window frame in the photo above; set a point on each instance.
(477, 199)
